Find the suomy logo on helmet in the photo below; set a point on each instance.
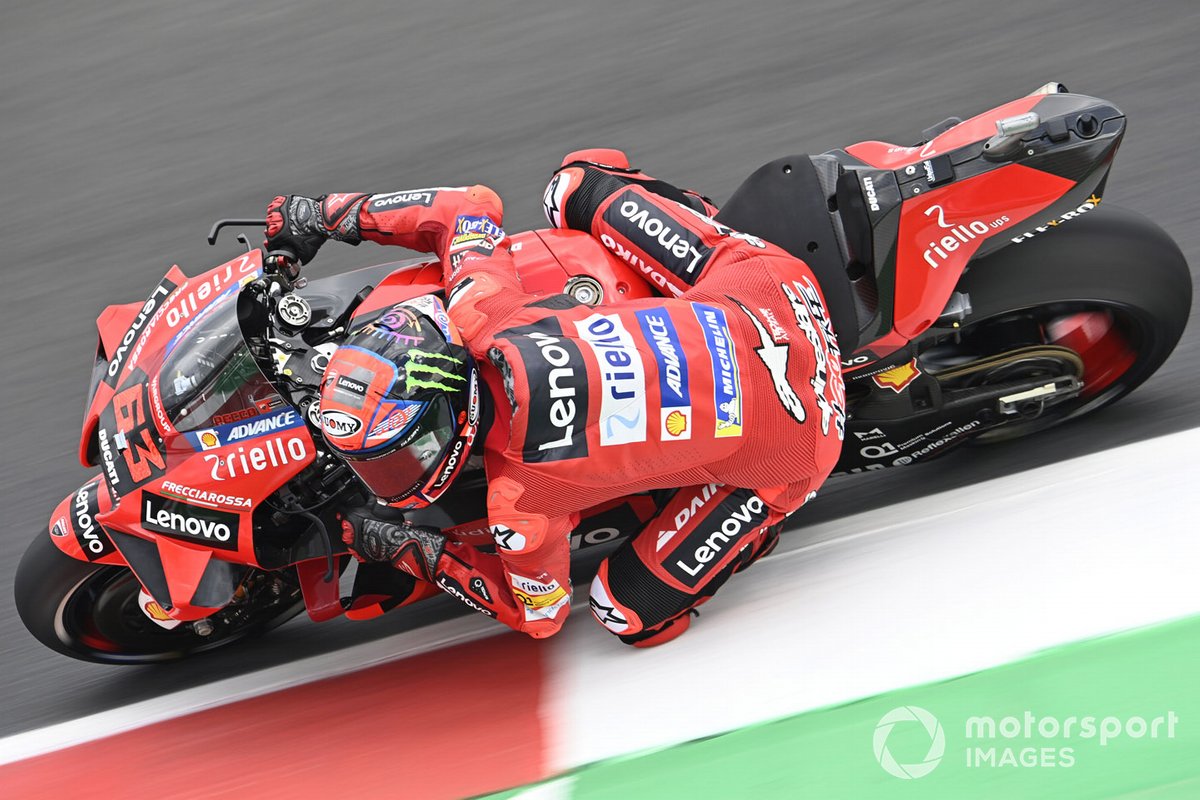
(339, 424)
(416, 367)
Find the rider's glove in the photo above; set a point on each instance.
(302, 224)
(415, 549)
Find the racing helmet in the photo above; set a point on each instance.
(400, 402)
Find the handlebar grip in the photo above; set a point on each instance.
(283, 261)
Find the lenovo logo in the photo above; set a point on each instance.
(557, 377)
(188, 522)
(725, 529)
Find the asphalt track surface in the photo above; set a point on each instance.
(127, 127)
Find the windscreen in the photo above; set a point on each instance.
(209, 376)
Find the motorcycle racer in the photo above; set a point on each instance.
(727, 391)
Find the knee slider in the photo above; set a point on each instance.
(575, 194)
(642, 595)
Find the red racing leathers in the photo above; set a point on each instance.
(728, 390)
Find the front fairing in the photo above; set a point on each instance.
(191, 435)
(191, 438)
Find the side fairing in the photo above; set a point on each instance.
(75, 526)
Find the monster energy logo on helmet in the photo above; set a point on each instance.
(415, 370)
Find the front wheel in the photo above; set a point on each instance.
(1110, 294)
(91, 611)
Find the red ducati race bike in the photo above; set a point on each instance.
(979, 288)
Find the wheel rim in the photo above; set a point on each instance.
(1099, 341)
(102, 614)
(1115, 344)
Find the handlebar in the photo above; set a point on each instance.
(279, 262)
(284, 264)
(233, 223)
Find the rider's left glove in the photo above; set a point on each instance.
(415, 549)
(302, 224)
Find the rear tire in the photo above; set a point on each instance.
(1110, 260)
(89, 612)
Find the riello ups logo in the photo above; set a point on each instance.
(189, 523)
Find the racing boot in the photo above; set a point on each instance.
(670, 630)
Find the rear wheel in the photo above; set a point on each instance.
(1104, 298)
(91, 612)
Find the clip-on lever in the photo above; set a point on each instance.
(235, 223)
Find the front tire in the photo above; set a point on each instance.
(90, 612)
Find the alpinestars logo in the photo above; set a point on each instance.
(604, 609)
(775, 357)
(828, 389)
(507, 539)
(607, 615)
(552, 199)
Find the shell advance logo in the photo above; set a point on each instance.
(212, 438)
(660, 333)
(727, 384)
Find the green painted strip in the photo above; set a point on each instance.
(1112, 717)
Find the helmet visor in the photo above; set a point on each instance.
(399, 472)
